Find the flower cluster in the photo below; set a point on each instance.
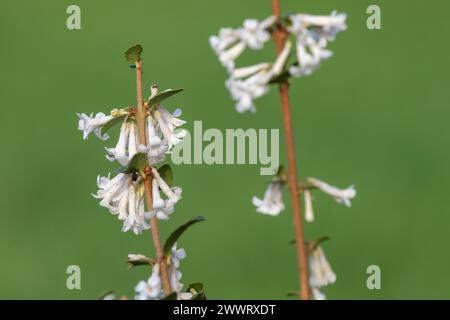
(152, 288)
(320, 271)
(123, 195)
(312, 34)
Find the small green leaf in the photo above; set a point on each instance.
(281, 171)
(178, 232)
(136, 164)
(135, 260)
(133, 54)
(165, 171)
(292, 294)
(316, 242)
(197, 291)
(160, 97)
(105, 294)
(111, 123)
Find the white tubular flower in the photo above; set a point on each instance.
(177, 255)
(321, 273)
(119, 153)
(150, 289)
(317, 294)
(136, 214)
(173, 194)
(160, 208)
(123, 196)
(226, 37)
(313, 34)
(256, 84)
(157, 147)
(254, 33)
(342, 196)
(228, 57)
(309, 214)
(272, 204)
(167, 123)
(133, 141)
(89, 124)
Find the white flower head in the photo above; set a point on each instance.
(124, 196)
(312, 34)
(119, 153)
(167, 123)
(254, 33)
(340, 195)
(88, 124)
(272, 203)
(321, 273)
(150, 289)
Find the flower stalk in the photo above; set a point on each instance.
(148, 179)
(279, 37)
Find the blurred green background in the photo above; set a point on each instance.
(374, 115)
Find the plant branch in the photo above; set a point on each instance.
(279, 37)
(141, 123)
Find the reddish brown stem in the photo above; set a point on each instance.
(279, 37)
(141, 123)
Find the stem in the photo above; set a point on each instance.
(141, 123)
(279, 37)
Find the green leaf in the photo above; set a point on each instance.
(281, 171)
(105, 294)
(292, 294)
(160, 97)
(136, 164)
(165, 171)
(316, 242)
(111, 123)
(135, 260)
(133, 54)
(197, 291)
(178, 232)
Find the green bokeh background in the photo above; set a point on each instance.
(374, 115)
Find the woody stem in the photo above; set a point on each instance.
(141, 123)
(279, 37)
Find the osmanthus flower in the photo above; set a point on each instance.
(272, 203)
(248, 83)
(313, 33)
(167, 123)
(152, 288)
(309, 213)
(163, 208)
(230, 43)
(321, 273)
(88, 124)
(124, 196)
(340, 195)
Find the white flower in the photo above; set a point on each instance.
(313, 34)
(309, 214)
(340, 195)
(150, 289)
(89, 124)
(157, 147)
(173, 194)
(272, 204)
(119, 153)
(124, 195)
(167, 123)
(321, 273)
(229, 44)
(254, 33)
(317, 294)
(161, 209)
(256, 84)
(177, 255)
